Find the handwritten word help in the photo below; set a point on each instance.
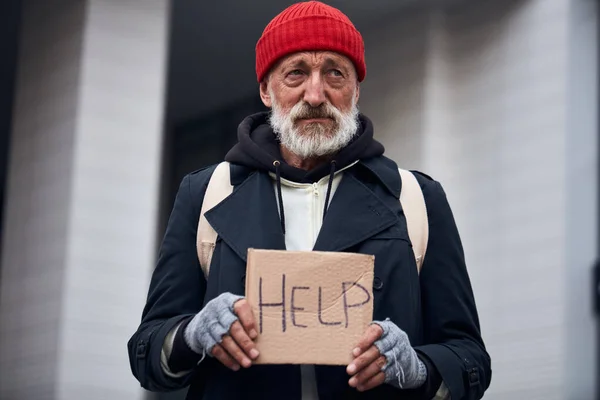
(300, 298)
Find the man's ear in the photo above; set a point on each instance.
(357, 94)
(265, 96)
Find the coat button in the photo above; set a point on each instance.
(473, 377)
(377, 283)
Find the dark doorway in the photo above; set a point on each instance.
(10, 21)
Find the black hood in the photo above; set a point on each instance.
(258, 148)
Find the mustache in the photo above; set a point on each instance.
(306, 111)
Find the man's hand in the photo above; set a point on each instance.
(237, 348)
(225, 329)
(384, 355)
(367, 367)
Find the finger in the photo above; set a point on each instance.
(373, 382)
(234, 351)
(363, 361)
(372, 334)
(240, 336)
(367, 373)
(220, 354)
(244, 312)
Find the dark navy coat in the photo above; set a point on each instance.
(436, 308)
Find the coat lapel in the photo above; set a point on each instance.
(354, 214)
(248, 218)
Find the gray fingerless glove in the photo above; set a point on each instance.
(208, 327)
(403, 368)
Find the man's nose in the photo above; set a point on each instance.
(315, 91)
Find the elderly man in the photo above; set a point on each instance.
(309, 176)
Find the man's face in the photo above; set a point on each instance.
(313, 98)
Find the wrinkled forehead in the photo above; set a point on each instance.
(315, 60)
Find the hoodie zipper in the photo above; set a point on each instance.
(315, 212)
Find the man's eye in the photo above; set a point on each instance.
(295, 72)
(336, 72)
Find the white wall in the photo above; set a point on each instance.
(38, 198)
(82, 198)
(112, 232)
(496, 99)
(581, 200)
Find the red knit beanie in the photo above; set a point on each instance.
(309, 26)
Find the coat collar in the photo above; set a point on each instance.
(386, 172)
(354, 214)
(248, 218)
(384, 169)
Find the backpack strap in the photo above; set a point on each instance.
(415, 211)
(219, 187)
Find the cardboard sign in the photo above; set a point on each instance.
(310, 307)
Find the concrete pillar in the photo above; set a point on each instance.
(82, 198)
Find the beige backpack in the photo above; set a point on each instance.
(219, 187)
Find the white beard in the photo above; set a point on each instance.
(314, 139)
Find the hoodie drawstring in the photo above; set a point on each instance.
(329, 185)
(277, 165)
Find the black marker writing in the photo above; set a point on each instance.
(261, 304)
(320, 309)
(294, 308)
(346, 286)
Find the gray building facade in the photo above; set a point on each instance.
(114, 101)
